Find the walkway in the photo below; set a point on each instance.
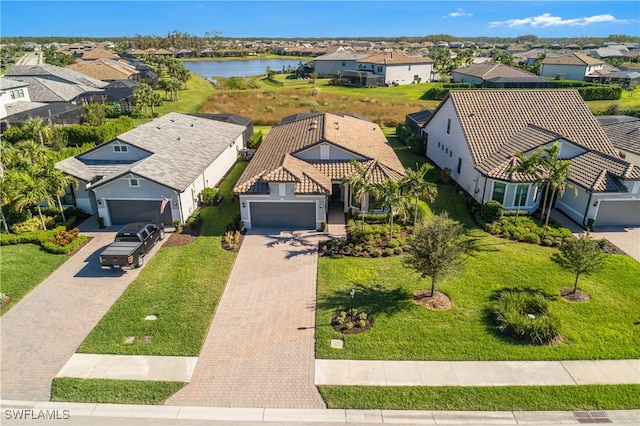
(259, 351)
(42, 331)
(336, 224)
(108, 414)
(476, 373)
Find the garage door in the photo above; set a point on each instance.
(127, 211)
(618, 213)
(283, 215)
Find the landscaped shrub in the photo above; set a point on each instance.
(491, 211)
(32, 224)
(601, 92)
(64, 237)
(209, 196)
(194, 220)
(525, 316)
(255, 140)
(43, 239)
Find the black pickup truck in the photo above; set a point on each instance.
(131, 244)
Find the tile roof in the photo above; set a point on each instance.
(487, 70)
(490, 119)
(104, 69)
(181, 147)
(99, 53)
(341, 55)
(624, 134)
(53, 72)
(602, 173)
(276, 158)
(395, 58)
(572, 59)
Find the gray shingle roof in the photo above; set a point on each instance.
(623, 134)
(43, 90)
(181, 147)
(52, 72)
(487, 70)
(7, 83)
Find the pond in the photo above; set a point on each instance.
(240, 68)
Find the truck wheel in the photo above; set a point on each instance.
(161, 235)
(140, 261)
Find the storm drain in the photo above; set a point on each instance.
(591, 417)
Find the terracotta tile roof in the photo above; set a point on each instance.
(494, 119)
(99, 53)
(572, 59)
(277, 156)
(487, 70)
(602, 173)
(105, 70)
(395, 58)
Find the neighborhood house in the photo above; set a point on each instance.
(155, 171)
(475, 134)
(301, 166)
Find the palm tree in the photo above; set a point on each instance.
(417, 186)
(390, 194)
(38, 129)
(558, 184)
(25, 154)
(528, 167)
(549, 157)
(360, 183)
(31, 190)
(58, 182)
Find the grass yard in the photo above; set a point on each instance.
(23, 267)
(182, 285)
(105, 391)
(498, 398)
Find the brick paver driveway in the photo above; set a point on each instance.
(41, 332)
(260, 348)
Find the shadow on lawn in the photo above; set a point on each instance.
(373, 300)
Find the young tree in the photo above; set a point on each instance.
(360, 184)
(31, 189)
(38, 130)
(437, 249)
(390, 194)
(416, 184)
(581, 255)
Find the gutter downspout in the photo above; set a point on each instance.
(584, 216)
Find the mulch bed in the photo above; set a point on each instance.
(438, 302)
(344, 329)
(187, 236)
(579, 296)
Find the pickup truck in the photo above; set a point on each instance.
(131, 244)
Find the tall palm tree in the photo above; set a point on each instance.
(416, 184)
(31, 190)
(360, 183)
(390, 194)
(528, 167)
(58, 182)
(558, 177)
(38, 130)
(25, 154)
(548, 160)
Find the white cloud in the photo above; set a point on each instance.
(547, 20)
(459, 12)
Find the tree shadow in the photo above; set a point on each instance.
(372, 299)
(303, 243)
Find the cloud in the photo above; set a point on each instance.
(458, 13)
(547, 20)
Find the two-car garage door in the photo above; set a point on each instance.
(283, 215)
(122, 212)
(618, 213)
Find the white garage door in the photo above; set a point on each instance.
(283, 215)
(618, 213)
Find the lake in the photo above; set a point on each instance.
(244, 68)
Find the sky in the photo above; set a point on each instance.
(312, 19)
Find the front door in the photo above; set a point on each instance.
(336, 193)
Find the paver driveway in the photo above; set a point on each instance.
(42, 331)
(259, 351)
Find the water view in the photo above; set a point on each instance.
(245, 68)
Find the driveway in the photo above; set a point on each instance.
(42, 331)
(626, 239)
(259, 351)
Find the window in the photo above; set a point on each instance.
(344, 64)
(17, 94)
(521, 195)
(379, 69)
(134, 183)
(282, 189)
(448, 125)
(499, 189)
(120, 148)
(459, 165)
(535, 193)
(357, 203)
(451, 153)
(409, 67)
(446, 150)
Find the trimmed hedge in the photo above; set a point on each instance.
(43, 239)
(600, 92)
(78, 135)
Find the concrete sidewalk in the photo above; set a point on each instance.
(77, 413)
(476, 373)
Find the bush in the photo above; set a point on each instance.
(63, 237)
(601, 92)
(491, 211)
(525, 316)
(209, 196)
(194, 220)
(532, 238)
(29, 225)
(255, 140)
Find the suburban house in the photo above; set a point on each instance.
(573, 66)
(155, 171)
(393, 67)
(498, 76)
(475, 134)
(301, 165)
(105, 69)
(624, 133)
(13, 93)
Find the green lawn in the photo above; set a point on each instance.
(498, 398)
(182, 285)
(105, 391)
(24, 266)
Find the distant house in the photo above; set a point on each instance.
(624, 79)
(624, 133)
(155, 171)
(495, 75)
(12, 93)
(301, 165)
(475, 134)
(338, 61)
(573, 66)
(105, 69)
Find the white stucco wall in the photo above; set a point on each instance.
(568, 72)
(405, 74)
(327, 67)
(463, 78)
(106, 152)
